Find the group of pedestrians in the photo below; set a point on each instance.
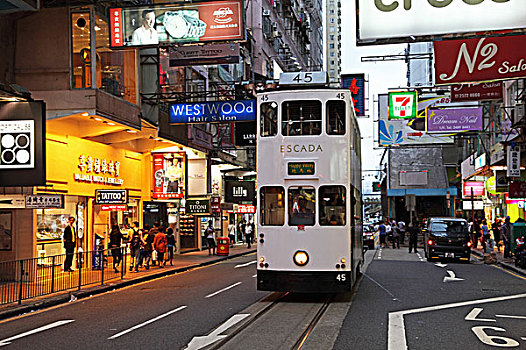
(247, 231)
(155, 245)
(496, 235)
(391, 230)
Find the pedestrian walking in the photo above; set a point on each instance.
(231, 233)
(116, 237)
(485, 237)
(135, 245)
(396, 236)
(146, 253)
(495, 228)
(382, 233)
(242, 228)
(505, 235)
(69, 238)
(249, 234)
(160, 243)
(388, 232)
(476, 233)
(414, 229)
(153, 232)
(401, 226)
(170, 243)
(210, 238)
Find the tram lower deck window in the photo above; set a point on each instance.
(302, 205)
(300, 118)
(332, 205)
(272, 208)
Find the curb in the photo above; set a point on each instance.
(95, 290)
(504, 265)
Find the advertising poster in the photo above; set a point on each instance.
(169, 23)
(451, 120)
(169, 175)
(478, 189)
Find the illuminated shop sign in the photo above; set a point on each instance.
(477, 91)
(98, 170)
(452, 120)
(197, 207)
(213, 112)
(114, 207)
(476, 187)
(402, 105)
(356, 84)
(169, 23)
(111, 196)
(391, 21)
(169, 175)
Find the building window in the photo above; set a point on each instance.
(80, 30)
(332, 54)
(332, 63)
(331, 46)
(331, 37)
(272, 206)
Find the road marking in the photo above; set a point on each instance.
(222, 290)
(396, 339)
(203, 341)
(36, 330)
(147, 322)
(420, 257)
(451, 277)
(509, 316)
(440, 265)
(472, 316)
(256, 275)
(243, 265)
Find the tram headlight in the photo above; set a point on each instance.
(301, 258)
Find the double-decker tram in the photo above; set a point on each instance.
(309, 227)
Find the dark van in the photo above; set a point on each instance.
(447, 238)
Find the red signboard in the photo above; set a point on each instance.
(169, 175)
(481, 59)
(477, 186)
(243, 209)
(216, 204)
(159, 24)
(517, 189)
(477, 92)
(113, 207)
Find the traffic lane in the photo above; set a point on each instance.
(481, 325)
(103, 316)
(389, 286)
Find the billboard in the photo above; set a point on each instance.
(213, 112)
(477, 91)
(169, 175)
(194, 22)
(22, 143)
(382, 21)
(477, 60)
(451, 120)
(409, 132)
(204, 54)
(475, 188)
(356, 83)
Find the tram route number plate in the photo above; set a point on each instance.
(342, 278)
(301, 168)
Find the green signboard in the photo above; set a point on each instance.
(403, 105)
(301, 168)
(377, 187)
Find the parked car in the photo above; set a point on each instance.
(368, 236)
(447, 238)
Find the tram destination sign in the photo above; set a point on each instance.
(213, 112)
(111, 196)
(301, 168)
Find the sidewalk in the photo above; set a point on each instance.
(181, 263)
(508, 264)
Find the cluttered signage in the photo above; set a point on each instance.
(403, 105)
(245, 134)
(484, 59)
(22, 145)
(356, 84)
(477, 91)
(213, 112)
(169, 172)
(206, 54)
(514, 160)
(395, 21)
(156, 24)
(197, 207)
(452, 120)
(111, 196)
(473, 188)
(45, 201)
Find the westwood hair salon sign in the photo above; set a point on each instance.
(484, 59)
(213, 112)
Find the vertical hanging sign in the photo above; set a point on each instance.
(514, 161)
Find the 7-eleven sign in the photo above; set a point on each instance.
(402, 105)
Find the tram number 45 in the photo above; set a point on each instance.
(341, 277)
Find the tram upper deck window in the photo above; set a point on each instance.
(302, 204)
(300, 118)
(269, 118)
(272, 206)
(336, 117)
(332, 205)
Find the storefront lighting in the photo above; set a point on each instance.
(110, 123)
(98, 119)
(85, 114)
(131, 131)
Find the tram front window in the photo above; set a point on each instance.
(301, 118)
(272, 206)
(302, 204)
(332, 205)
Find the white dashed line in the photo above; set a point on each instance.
(222, 290)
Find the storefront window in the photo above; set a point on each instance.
(335, 117)
(332, 205)
(269, 119)
(272, 206)
(302, 204)
(299, 118)
(80, 30)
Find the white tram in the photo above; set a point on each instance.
(309, 228)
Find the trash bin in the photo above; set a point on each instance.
(223, 246)
(517, 230)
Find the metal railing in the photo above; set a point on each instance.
(35, 277)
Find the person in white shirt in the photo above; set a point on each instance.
(146, 33)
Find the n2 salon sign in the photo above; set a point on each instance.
(213, 112)
(484, 59)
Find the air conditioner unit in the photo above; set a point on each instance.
(266, 12)
(519, 112)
